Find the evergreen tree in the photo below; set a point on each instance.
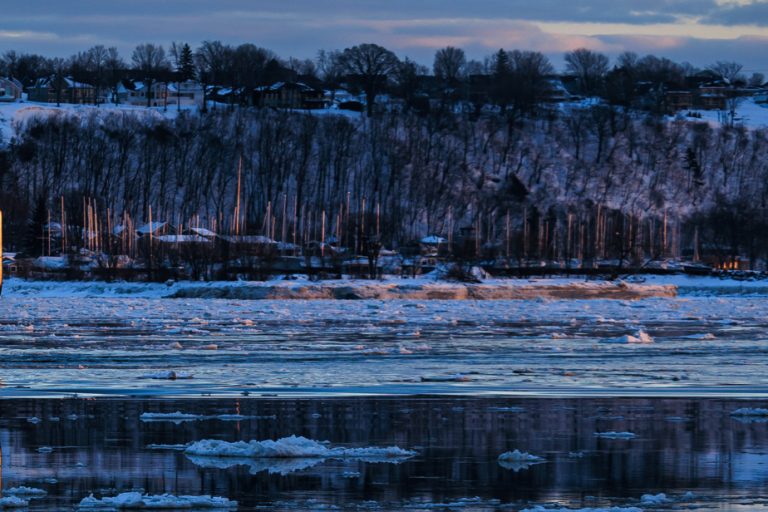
(186, 65)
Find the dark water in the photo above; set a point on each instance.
(681, 445)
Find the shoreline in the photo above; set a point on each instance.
(349, 289)
(436, 291)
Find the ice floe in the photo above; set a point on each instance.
(137, 500)
(12, 502)
(290, 447)
(29, 492)
(654, 499)
(615, 435)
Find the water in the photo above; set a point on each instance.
(682, 446)
(701, 346)
(460, 382)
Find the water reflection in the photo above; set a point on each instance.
(100, 446)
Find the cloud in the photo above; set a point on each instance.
(739, 13)
(412, 28)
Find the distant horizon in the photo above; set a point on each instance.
(700, 32)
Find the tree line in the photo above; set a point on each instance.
(593, 183)
(514, 80)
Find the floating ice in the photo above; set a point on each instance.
(518, 456)
(29, 492)
(34, 420)
(641, 337)
(45, 449)
(271, 466)
(615, 435)
(654, 499)
(137, 500)
(539, 508)
(12, 502)
(176, 417)
(749, 411)
(290, 447)
(517, 460)
(507, 409)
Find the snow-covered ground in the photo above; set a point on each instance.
(96, 338)
(748, 113)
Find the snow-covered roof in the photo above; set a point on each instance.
(180, 239)
(249, 239)
(147, 228)
(202, 232)
(432, 240)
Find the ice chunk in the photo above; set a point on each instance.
(176, 417)
(749, 411)
(45, 449)
(615, 435)
(654, 499)
(290, 447)
(271, 466)
(34, 420)
(588, 509)
(29, 492)
(640, 337)
(518, 456)
(137, 500)
(12, 502)
(517, 460)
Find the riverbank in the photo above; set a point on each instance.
(424, 288)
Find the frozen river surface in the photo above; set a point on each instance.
(691, 345)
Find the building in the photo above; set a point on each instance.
(135, 92)
(185, 94)
(290, 95)
(714, 97)
(678, 100)
(10, 89)
(55, 89)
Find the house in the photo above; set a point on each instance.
(53, 89)
(10, 89)
(290, 95)
(154, 229)
(714, 97)
(135, 92)
(678, 100)
(185, 94)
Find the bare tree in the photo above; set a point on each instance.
(211, 59)
(727, 71)
(114, 67)
(372, 65)
(588, 67)
(150, 60)
(449, 65)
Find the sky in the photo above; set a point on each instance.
(698, 31)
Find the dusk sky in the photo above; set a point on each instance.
(698, 31)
